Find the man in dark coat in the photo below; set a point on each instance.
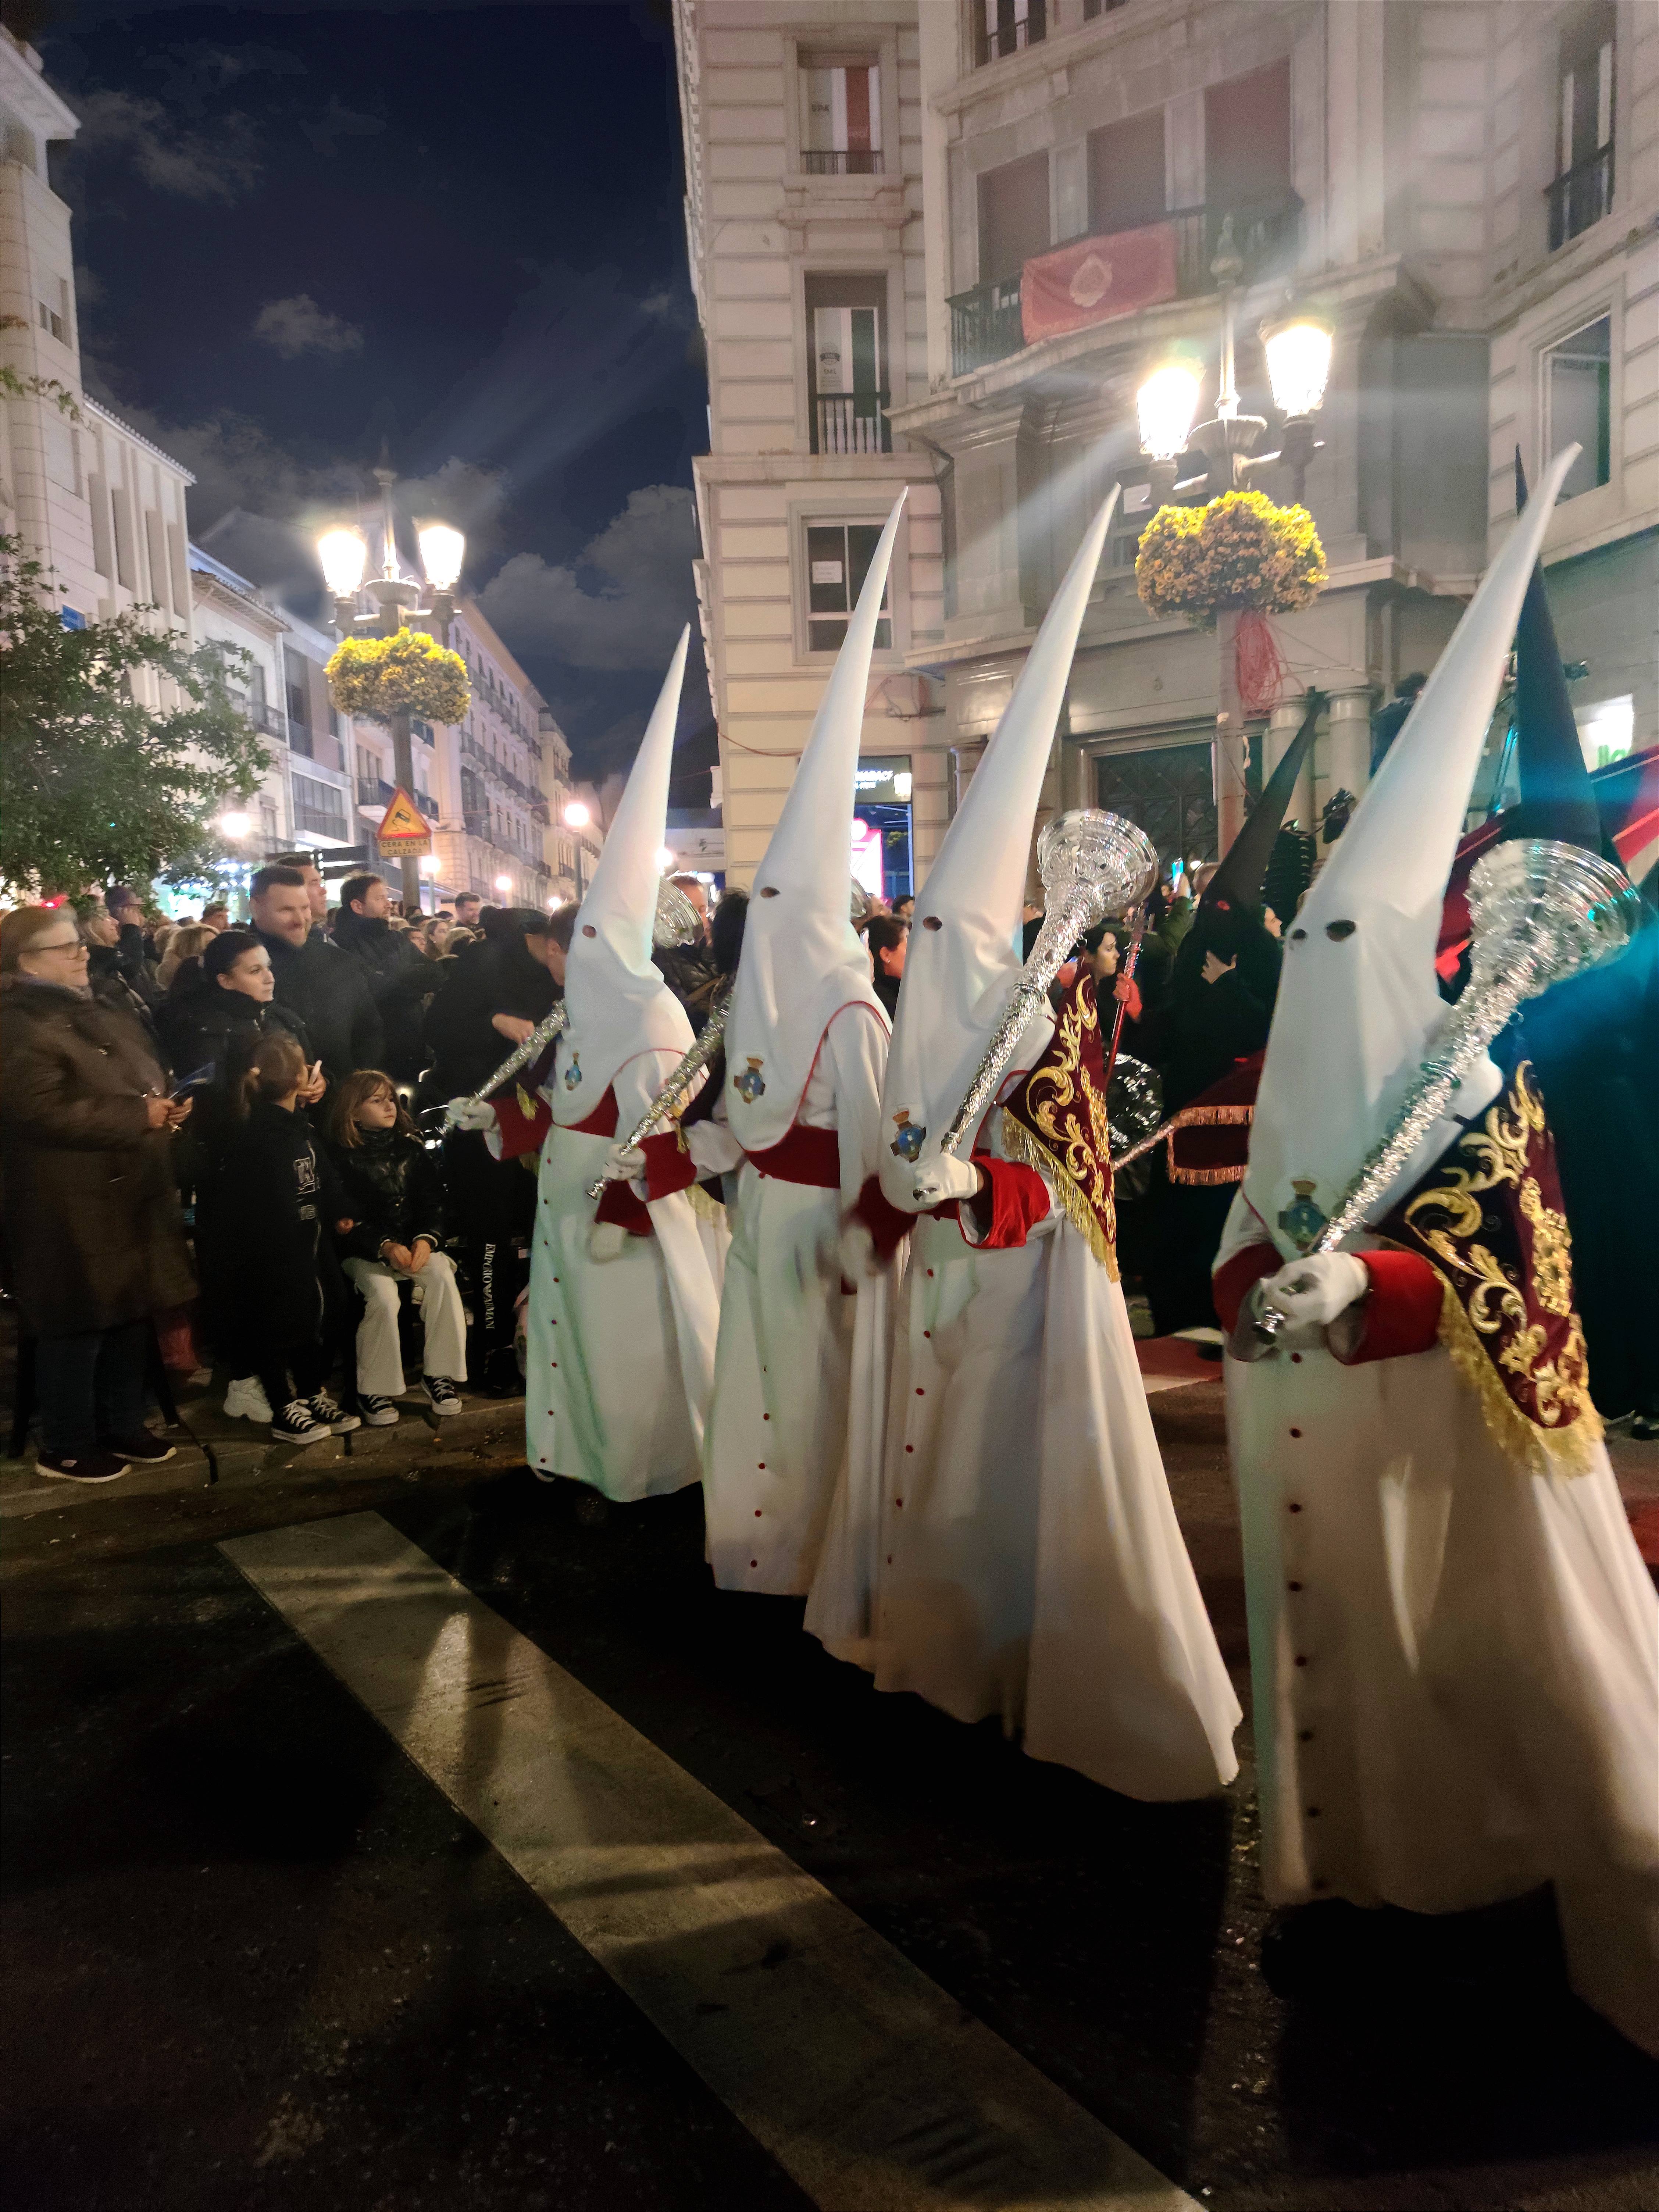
(315, 980)
(94, 1242)
(400, 978)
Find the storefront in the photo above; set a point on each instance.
(882, 844)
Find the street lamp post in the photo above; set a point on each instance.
(344, 556)
(1298, 351)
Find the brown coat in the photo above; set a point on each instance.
(92, 1232)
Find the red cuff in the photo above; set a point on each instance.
(618, 1203)
(668, 1166)
(1230, 1286)
(888, 1225)
(1014, 1200)
(521, 1132)
(1403, 1314)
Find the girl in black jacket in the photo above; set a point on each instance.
(393, 1195)
(266, 1265)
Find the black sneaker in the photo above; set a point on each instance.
(81, 1467)
(442, 1395)
(297, 1425)
(333, 1418)
(143, 1447)
(377, 1412)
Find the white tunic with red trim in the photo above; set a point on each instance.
(1031, 1563)
(1455, 1659)
(620, 1351)
(801, 1367)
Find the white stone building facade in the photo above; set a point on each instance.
(1468, 191)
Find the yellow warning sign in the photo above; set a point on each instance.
(402, 824)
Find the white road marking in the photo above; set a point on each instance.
(867, 2083)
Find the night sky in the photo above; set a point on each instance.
(306, 230)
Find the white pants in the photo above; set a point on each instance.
(379, 1363)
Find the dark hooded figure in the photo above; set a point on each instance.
(1220, 1008)
(1594, 1043)
(726, 928)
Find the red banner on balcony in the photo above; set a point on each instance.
(1096, 279)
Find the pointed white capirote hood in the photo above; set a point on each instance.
(619, 1003)
(1358, 1004)
(802, 961)
(963, 953)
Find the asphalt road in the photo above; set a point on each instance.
(255, 1957)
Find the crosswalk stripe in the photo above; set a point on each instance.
(872, 2089)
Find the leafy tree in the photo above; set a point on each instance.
(95, 786)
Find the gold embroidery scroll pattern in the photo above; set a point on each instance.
(1552, 1250)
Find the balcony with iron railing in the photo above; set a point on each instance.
(1580, 197)
(840, 161)
(261, 716)
(1011, 33)
(986, 323)
(851, 422)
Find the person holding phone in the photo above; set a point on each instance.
(95, 1236)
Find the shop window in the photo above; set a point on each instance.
(841, 114)
(1126, 173)
(1582, 191)
(882, 825)
(838, 557)
(1013, 216)
(1578, 403)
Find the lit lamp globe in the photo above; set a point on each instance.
(1298, 351)
(577, 816)
(667, 857)
(344, 556)
(1168, 401)
(236, 825)
(442, 551)
(504, 882)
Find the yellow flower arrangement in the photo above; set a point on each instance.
(377, 677)
(1240, 550)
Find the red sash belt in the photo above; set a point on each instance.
(804, 1155)
(601, 1122)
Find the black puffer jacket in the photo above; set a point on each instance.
(269, 1275)
(486, 979)
(211, 1025)
(400, 979)
(327, 989)
(391, 1190)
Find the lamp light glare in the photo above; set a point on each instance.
(428, 864)
(504, 882)
(577, 816)
(1298, 364)
(1168, 402)
(904, 784)
(344, 556)
(667, 857)
(442, 551)
(235, 823)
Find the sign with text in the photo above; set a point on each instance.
(404, 827)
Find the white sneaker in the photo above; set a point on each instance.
(442, 1395)
(245, 1401)
(377, 1412)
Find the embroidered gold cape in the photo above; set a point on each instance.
(1057, 1120)
(1488, 1220)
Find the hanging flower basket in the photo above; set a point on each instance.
(1240, 552)
(379, 677)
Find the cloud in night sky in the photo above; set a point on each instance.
(193, 165)
(298, 325)
(641, 565)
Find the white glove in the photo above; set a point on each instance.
(1311, 1293)
(624, 1163)
(606, 1240)
(936, 1181)
(469, 1113)
(714, 1149)
(859, 1260)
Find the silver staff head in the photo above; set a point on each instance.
(1560, 906)
(676, 921)
(1086, 849)
(861, 903)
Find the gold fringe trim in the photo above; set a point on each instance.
(704, 1204)
(1566, 1450)
(1194, 1175)
(1202, 1117)
(1020, 1144)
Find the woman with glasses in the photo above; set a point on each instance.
(94, 1242)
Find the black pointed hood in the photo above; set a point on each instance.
(1237, 883)
(1557, 798)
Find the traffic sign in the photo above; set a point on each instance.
(404, 827)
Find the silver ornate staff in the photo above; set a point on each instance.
(1093, 864)
(1540, 911)
(676, 923)
(677, 1089)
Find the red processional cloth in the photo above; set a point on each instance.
(1096, 279)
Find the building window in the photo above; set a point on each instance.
(1582, 191)
(1093, 8)
(1003, 26)
(846, 364)
(1126, 173)
(50, 320)
(319, 808)
(1013, 216)
(840, 114)
(1246, 141)
(1578, 403)
(838, 556)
